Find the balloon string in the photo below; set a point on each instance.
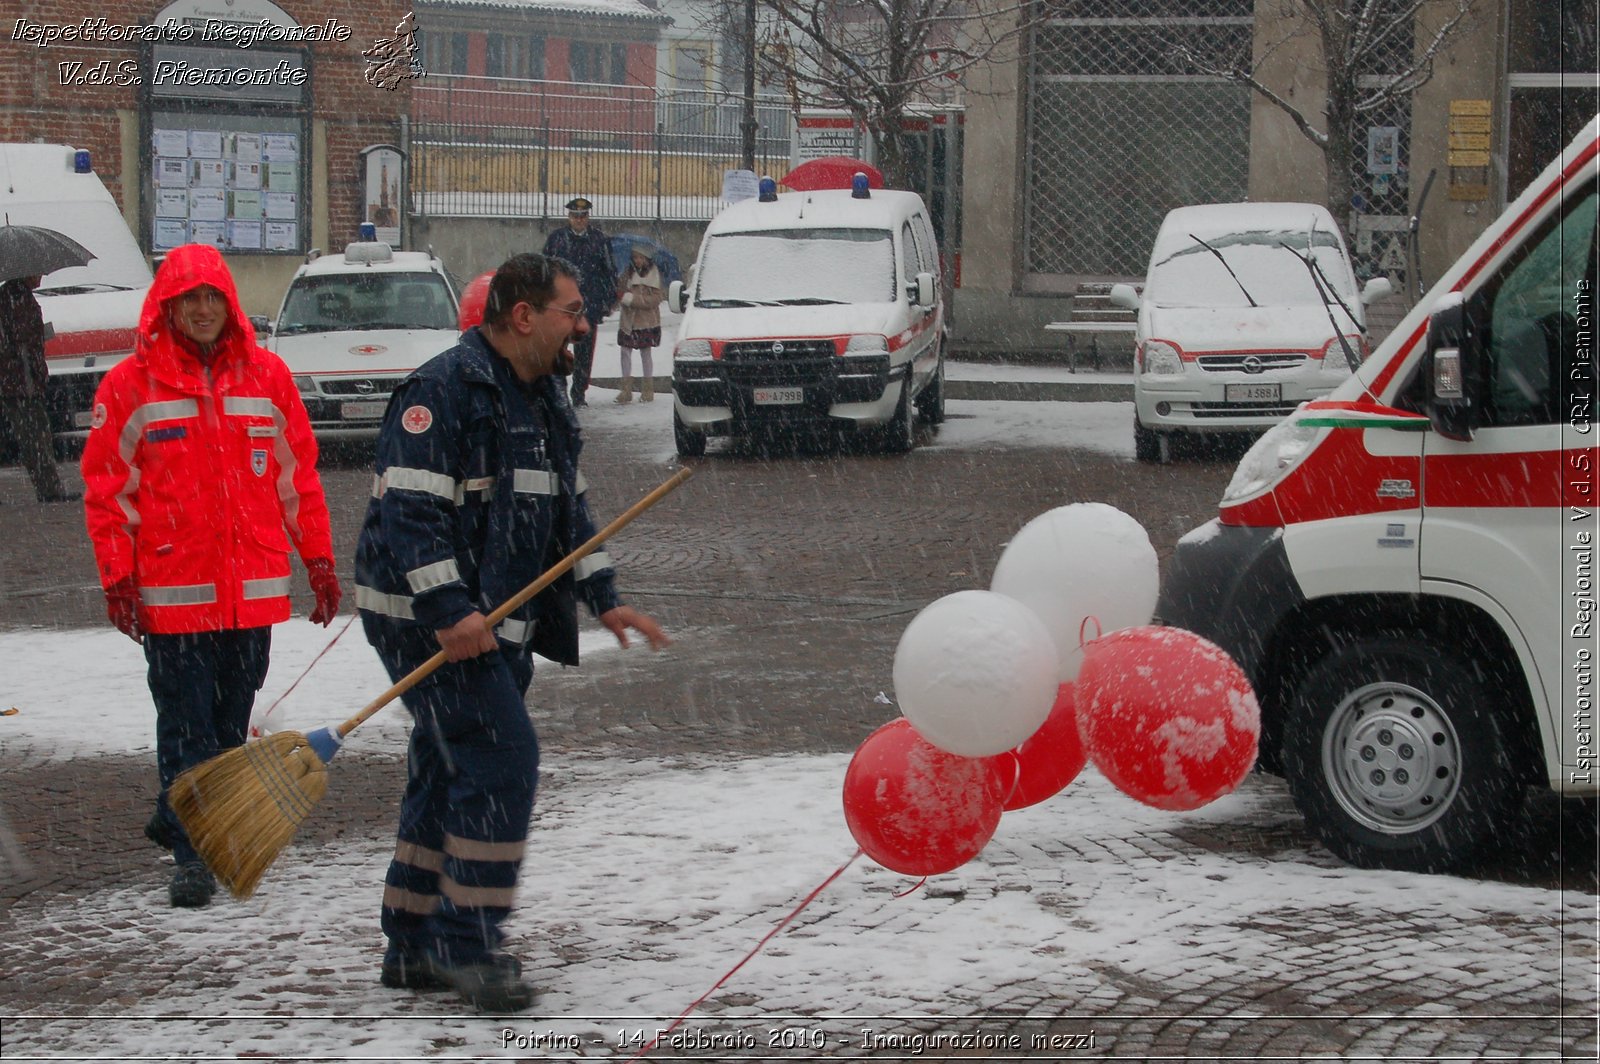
(913, 888)
(1084, 625)
(278, 701)
(768, 937)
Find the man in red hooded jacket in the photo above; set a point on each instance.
(200, 476)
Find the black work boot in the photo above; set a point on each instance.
(157, 831)
(487, 986)
(191, 887)
(403, 970)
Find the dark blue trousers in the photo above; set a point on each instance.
(474, 767)
(204, 685)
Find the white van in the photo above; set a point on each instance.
(807, 310)
(1406, 569)
(92, 310)
(353, 326)
(1248, 310)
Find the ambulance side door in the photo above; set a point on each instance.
(1495, 527)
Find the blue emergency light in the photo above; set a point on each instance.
(80, 162)
(368, 231)
(768, 190)
(859, 189)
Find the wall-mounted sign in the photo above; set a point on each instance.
(1469, 149)
(385, 190)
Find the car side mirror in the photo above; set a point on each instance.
(1124, 296)
(1451, 368)
(261, 323)
(676, 297)
(922, 291)
(1375, 289)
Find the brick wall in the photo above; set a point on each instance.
(36, 104)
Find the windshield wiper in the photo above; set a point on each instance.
(732, 303)
(1319, 281)
(810, 301)
(1225, 266)
(81, 289)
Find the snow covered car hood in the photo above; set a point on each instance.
(368, 351)
(759, 323)
(90, 323)
(1202, 329)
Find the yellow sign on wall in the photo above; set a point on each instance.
(1469, 147)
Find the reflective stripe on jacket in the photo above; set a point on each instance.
(477, 493)
(199, 482)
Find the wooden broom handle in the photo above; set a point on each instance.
(551, 575)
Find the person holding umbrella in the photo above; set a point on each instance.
(23, 373)
(586, 247)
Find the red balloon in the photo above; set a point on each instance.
(917, 809)
(1167, 716)
(473, 299)
(1050, 758)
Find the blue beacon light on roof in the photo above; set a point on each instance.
(767, 190)
(859, 189)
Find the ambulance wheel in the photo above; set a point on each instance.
(1396, 758)
(900, 434)
(930, 403)
(691, 444)
(1146, 442)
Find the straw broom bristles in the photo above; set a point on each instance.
(241, 808)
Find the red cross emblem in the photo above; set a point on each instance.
(417, 419)
(368, 349)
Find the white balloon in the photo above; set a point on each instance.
(975, 673)
(1086, 569)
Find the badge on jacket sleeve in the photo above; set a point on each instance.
(99, 417)
(417, 419)
(258, 462)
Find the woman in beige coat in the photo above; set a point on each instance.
(639, 292)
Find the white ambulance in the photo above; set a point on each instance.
(92, 311)
(1405, 568)
(353, 326)
(810, 310)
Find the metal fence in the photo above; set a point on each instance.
(501, 147)
(1119, 130)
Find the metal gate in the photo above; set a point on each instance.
(1119, 131)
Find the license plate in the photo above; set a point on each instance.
(362, 411)
(1253, 393)
(779, 396)
(82, 419)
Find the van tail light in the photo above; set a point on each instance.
(1447, 382)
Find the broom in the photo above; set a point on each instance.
(241, 808)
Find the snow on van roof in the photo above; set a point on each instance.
(38, 187)
(401, 262)
(823, 209)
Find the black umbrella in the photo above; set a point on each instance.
(33, 251)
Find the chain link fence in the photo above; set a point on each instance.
(502, 147)
(1120, 129)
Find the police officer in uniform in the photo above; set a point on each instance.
(589, 249)
(477, 493)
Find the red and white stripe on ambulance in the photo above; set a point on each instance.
(1487, 520)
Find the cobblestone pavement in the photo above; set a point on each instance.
(790, 578)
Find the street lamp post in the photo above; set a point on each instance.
(748, 125)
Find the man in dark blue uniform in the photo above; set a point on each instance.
(477, 493)
(589, 249)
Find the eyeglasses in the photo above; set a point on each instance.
(576, 314)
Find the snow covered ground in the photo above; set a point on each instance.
(646, 885)
(648, 881)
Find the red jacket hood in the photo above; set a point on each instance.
(183, 270)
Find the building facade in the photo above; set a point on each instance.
(241, 123)
(1076, 151)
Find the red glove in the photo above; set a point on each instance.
(325, 583)
(122, 607)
